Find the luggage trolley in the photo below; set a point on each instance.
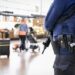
(4, 43)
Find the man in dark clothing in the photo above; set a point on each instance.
(60, 21)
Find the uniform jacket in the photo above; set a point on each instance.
(58, 8)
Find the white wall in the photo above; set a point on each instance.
(7, 25)
(46, 5)
(25, 7)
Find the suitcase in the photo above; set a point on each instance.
(5, 47)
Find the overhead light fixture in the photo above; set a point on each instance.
(7, 12)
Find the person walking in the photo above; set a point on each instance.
(23, 29)
(60, 23)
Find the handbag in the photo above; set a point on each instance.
(22, 33)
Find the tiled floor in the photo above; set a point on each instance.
(28, 63)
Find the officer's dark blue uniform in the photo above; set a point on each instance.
(65, 60)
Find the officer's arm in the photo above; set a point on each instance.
(54, 14)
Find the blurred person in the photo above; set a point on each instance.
(60, 23)
(33, 43)
(23, 29)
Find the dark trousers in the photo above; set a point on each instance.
(69, 71)
(23, 39)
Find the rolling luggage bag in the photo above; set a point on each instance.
(5, 47)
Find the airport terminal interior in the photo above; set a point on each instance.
(13, 61)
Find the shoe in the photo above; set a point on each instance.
(22, 52)
(26, 49)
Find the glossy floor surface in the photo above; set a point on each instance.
(27, 63)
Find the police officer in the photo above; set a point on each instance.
(60, 21)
